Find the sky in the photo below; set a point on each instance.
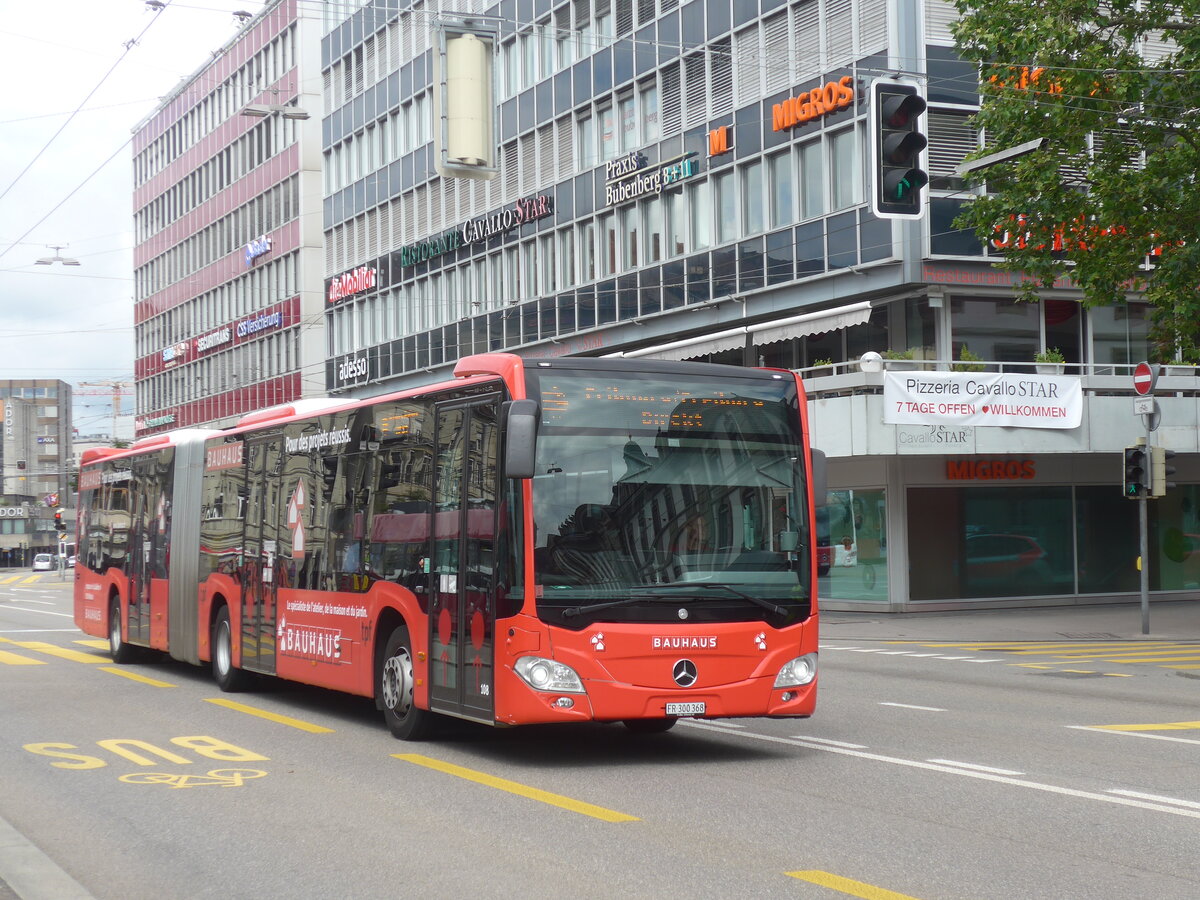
(79, 76)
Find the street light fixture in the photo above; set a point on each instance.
(57, 257)
(262, 110)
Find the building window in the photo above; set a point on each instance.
(812, 181)
(752, 198)
(700, 215)
(845, 171)
(627, 120)
(782, 189)
(648, 97)
(587, 141)
(726, 207)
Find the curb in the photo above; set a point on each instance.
(32, 875)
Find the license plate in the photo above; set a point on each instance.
(685, 709)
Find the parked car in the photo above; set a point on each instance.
(43, 562)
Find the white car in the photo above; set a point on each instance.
(43, 562)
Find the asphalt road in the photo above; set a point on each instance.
(928, 772)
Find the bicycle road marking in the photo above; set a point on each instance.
(215, 778)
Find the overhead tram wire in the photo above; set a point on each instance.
(128, 47)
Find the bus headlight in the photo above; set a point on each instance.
(798, 671)
(547, 675)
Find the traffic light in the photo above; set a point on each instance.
(1159, 470)
(1136, 472)
(59, 525)
(896, 145)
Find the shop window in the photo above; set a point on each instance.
(852, 546)
(782, 186)
(976, 542)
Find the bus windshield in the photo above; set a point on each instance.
(658, 499)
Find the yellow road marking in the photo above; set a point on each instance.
(10, 579)
(1047, 645)
(270, 716)
(1162, 726)
(61, 652)
(1117, 674)
(1158, 659)
(848, 885)
(1181, 667)
(15, 659)
(98, 644)
(134, 676)
(513, 787)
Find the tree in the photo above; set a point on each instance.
(1112, 199)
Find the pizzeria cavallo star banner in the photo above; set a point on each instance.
(982, 398)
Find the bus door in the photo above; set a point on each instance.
(261, 562)
(139, 561)
(462, 608)
(148, 547)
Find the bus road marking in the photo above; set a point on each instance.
(513, 787)
(270, 716)
(848, 885)
(134, 676)
(60, 652)
(16, 659)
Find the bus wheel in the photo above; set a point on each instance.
(120, 651)
(228, 677)
(649, 726)
(395, 690)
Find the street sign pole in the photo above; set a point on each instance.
(1144, 550)
(1144, 378)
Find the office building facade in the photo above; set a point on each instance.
(227, 218)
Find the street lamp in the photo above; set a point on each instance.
(262, 110)
(57, 257)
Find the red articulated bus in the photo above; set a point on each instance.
(562, 540)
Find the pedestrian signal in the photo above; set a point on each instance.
(1136, 472)
(897, 141)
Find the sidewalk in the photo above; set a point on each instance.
(1169, 621)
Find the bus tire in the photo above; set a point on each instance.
(228, 677)
(394, 687)
(120, 651)
(649, 726)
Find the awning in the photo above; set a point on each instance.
(813, 323)
(763, 333)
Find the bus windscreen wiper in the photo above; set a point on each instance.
(757, 601)
(573, 611)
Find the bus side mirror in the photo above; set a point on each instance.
(789, 541)
(818, 477)
(521, 440)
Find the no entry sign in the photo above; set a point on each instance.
(1144, 377)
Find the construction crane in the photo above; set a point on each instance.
(114, 389)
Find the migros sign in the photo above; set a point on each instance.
(809, 105)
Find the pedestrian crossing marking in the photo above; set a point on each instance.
(15, 659)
